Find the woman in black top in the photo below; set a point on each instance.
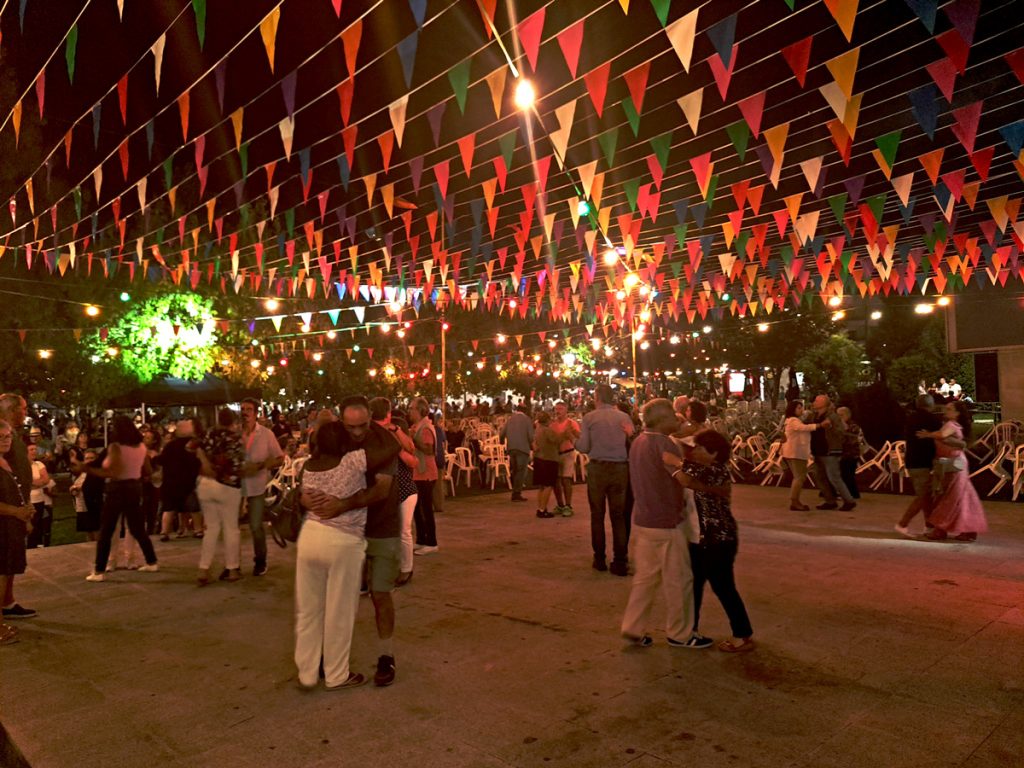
(706, 473)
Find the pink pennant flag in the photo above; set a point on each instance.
(943, 72)
(966, 128)
(752, 108)
(530, 30)
(722, 73)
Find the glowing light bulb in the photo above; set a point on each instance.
(304, 327)
(631, 280)
(385, 328)
(645, 345)
(620, 295)
(876, 315)
(595, 344)
(943, 301)
(762, 327)
(706, 329)
(331, 335)
(372, 372)
(255, 363)
(92, 311)
(645, 316)
(835, 301)
(525, 94)
(271, 305)
(45, 354)
(837, 316)
(673, 339)
(389, 370)
(501, 338)
(317, 357)
(400, 333)
(611, 258)
(924, 309)
(583, 209)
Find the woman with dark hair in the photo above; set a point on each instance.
(221, 455)
(796, 450)
(15, 514)
(706, 473)
(181, 470)
(329, 564)
(124, 467)
(957, 510)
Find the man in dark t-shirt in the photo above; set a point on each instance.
(919, 457)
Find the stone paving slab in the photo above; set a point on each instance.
(873, 651)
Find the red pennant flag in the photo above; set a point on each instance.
(345, 93)
(41, 91)
(441, 174)
(982, 161)
(798, 55)
(487, 8)
(387, 143)
(348, 139)
(956, 49)
(123, 151)
(636, 81)
(122, 98)
(570, 40)
(597, 85)
(752, 108)
(466, 148)
(1016, 62)
(530, 30)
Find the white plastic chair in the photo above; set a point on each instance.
(464, 465)
(581, 466)
(449, 471)
(1018, 472)
(1004, 451)
(774, 466)
(497, 463)
(878, 461)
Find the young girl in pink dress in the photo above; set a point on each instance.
(957, 511)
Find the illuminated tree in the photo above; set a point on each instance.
(172, 333)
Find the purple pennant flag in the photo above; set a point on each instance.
(288, 86)
(820, 187)
(416, 171)
(407, 54)
(434, 117)
(764, 154)
(419, 10)
(964, 15)
(722, 35)
(854, 186)
(220, 77)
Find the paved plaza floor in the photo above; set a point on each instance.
(873, 650)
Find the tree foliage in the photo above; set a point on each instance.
(833, 366)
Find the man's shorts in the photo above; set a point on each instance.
(567, 460)
(382, 560)
(922, 481)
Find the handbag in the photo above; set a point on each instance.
(286, 516)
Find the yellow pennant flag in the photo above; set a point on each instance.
(236, 121)
(268, 31)
(16, 119)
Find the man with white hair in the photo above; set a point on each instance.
(827, 447)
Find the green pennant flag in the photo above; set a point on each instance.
(661, 10)
(877, 204)
(845, 258)
(169, 173)
(888, 145)
(458, 76)
(243, 155)
(712, 188)
(216, 266)
(632, 116)
(941, 231)
(741, 243)
(160, 235)
(739, 134)
(245, 212)
(77, 194)
(787, 254)
(70, 47)
(507, 143)
(632, 189)
(838, 205)
(661, 146)
(680, 234)
(677, 265)
(199, 7)
(289, 222)
(790, 3)
(607, 142)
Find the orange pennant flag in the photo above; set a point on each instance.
(268, 31)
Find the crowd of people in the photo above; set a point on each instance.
(659, 479)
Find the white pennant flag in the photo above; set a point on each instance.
(142, 193)
(287, 128)
(397, 111)
(158, 59)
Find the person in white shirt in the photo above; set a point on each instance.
(943, 387)
(796, 450)
(262, 453)
(955, 390)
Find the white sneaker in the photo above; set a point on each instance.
(149, 568)
(425, 550)
(96, 577)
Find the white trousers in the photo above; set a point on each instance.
(406, 510)
(220, 506)
(328, 570)
(662, 559)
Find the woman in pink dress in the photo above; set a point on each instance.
(957, 511)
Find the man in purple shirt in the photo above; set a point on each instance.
(659, 535)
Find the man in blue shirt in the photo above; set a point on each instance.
(603, 437)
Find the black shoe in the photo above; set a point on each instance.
(385, 674)
(847, 506)
(619, 568)
(518, 497)
(259, 569)
(600, 564)
(828, 505)
(698, 642)
(543, 513)
(17, 611)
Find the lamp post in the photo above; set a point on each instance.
(444, 367)
(632, 338)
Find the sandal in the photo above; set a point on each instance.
(204, 577)
(403, 579)
(736, 645)
(354, 681)
(8, 634)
